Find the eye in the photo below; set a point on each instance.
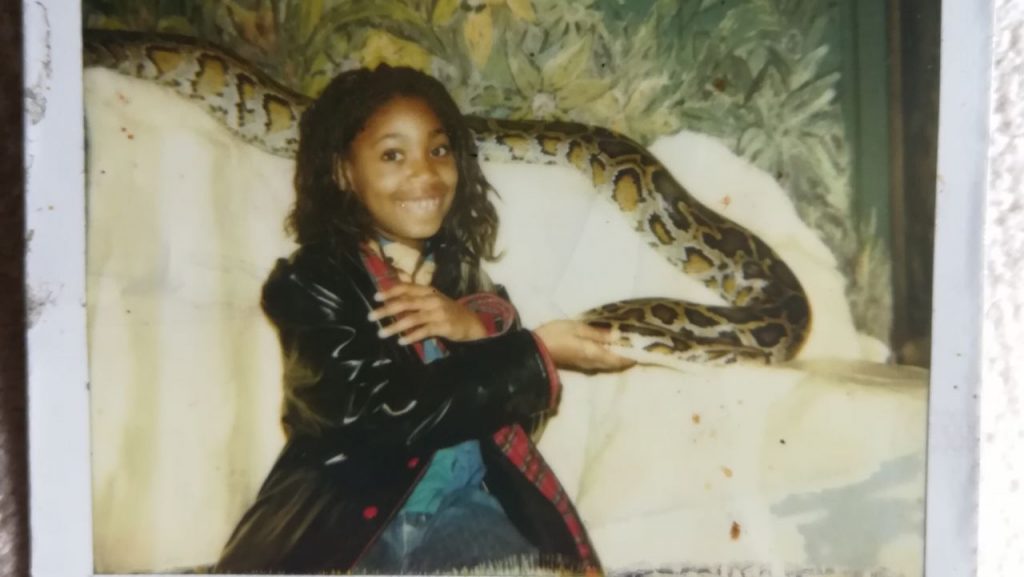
(391, 155)
(443, 150)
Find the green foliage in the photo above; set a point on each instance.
(759, 74)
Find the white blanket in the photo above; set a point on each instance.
(817, 463)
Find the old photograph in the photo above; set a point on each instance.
(506, 287)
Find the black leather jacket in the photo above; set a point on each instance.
(359, 394)
(364, 415)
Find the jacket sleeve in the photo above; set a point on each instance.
(498, 315)
(495, 312)
(361, 393)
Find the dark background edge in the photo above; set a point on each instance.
(14, 542)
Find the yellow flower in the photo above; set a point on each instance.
(383, 48)
(478, 27)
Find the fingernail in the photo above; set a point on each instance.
(382, 334)
(372, 316)
(378, 296)
(403, 341)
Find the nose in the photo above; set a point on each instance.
(424, 170)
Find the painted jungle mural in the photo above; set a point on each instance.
(764, 76)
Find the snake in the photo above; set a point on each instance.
(767, 315)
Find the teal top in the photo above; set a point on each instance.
(452, 468)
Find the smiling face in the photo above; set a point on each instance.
(402, 169)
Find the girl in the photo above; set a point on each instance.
(411, 390)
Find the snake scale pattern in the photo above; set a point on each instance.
(768, 316)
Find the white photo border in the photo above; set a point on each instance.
(58, 387)
(951, 508)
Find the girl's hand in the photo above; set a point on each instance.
(423, 311)
(579, 346)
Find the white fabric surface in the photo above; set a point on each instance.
(185, 222)
(1001, 508)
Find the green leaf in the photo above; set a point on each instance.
(712, 13)
(581, 93)
(444, 11)
(739, 73)
(808, 66)
(566, 66)
(310, 14)
(524, 73)
(815, 35)
(813, 98)
(775, 69)
(644, 95)
(608, 105)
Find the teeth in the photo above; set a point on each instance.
(422, 206)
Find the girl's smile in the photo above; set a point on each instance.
(421, 206)
(402, 168)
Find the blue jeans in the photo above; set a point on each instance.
(469, 530)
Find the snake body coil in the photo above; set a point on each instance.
(768, 316)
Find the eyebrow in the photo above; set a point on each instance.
(434, 132)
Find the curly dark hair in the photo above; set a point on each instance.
(325, 213)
